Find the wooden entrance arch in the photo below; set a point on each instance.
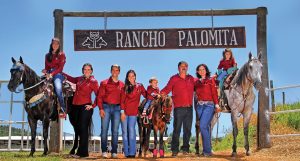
(263, 127)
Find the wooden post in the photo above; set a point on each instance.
(55, 143)
(23, 127)
(283, 99)
(263, 128)
(272, 96)
(10, 120)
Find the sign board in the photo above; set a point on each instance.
(152, 39)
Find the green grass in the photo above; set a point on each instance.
(226, 142)
(289, 119)
(17, 156)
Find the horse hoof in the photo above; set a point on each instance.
(233, 154)
(30, 155)
(248, 153)
(44, 154)
(72, 152)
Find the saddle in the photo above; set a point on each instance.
(228, 80)
(223, 102)
(145, 120)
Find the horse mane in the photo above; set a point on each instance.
(31, 76)
(242, 73)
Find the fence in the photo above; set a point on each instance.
(22, 143)
(273, 112)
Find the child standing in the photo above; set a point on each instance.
(152, 92)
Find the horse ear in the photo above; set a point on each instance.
(250, 55)
(21, 60)
(13, 60)
(259, 56)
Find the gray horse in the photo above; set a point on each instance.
(241, 97)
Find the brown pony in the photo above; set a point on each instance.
(162, 108)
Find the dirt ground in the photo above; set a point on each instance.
(286, 149)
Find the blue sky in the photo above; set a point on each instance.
(28, 26)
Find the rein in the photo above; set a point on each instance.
(33, 86)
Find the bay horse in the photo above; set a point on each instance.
(22, 74)
(162, 108)
(240, 98)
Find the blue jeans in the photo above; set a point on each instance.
(205, 113)
(129, 135)
(57, 81)
(112, 114)
(221, 78)
(183, 118)
(147, 104)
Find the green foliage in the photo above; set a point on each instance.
(289, 119)
(14, 131)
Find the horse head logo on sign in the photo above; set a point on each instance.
(94, 41)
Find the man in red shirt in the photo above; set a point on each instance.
(182, 87)
(108, 101)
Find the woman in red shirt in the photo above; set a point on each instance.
(207, 98)
(82, 107)
(130, 99)
(54, 64)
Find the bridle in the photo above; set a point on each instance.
(164, 109)
(22, 68)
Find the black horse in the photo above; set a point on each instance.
(40, 99)
(34, 88)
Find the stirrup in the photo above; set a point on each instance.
(146, 121)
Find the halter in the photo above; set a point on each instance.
(22, 68)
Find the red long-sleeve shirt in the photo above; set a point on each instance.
(130, 101)
(206, 90)
(84, 89)
(109, 92)
(57, 63)
(226, 64)
(150, 91)
(182, 90)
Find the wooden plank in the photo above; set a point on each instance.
(286, 111)
(284, 87)
(151, 39)
(163, 13)
(263, 128)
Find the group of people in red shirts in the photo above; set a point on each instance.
(118, 101)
